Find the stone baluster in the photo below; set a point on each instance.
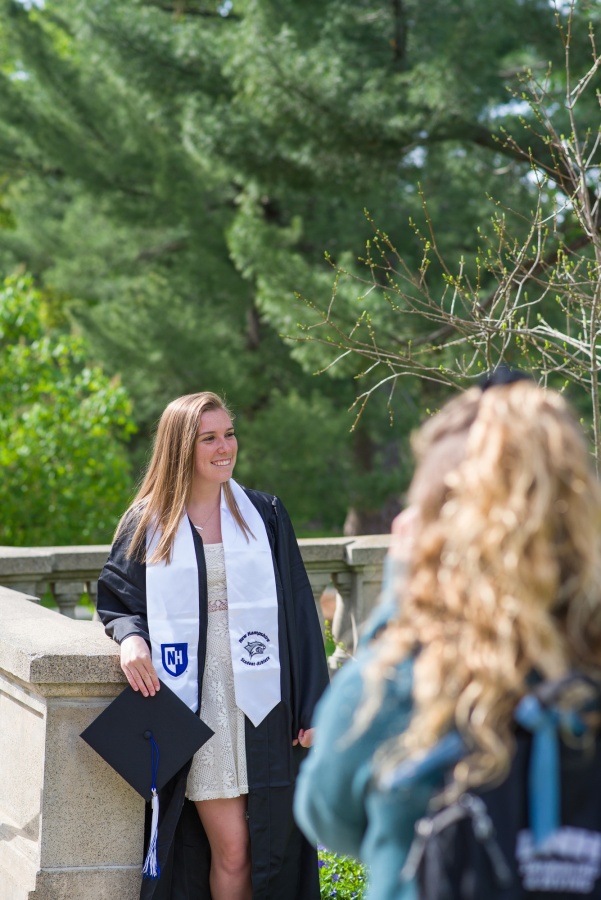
(323, 559)
(344, 623)
(67, 595)
(358, 591)
(320, 581)
(92, 589)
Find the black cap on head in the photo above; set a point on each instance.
(124, 733)
(502, 375)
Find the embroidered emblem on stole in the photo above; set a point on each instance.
(175, 658)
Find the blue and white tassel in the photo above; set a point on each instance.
(152, 868)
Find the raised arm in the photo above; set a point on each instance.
(332, 797)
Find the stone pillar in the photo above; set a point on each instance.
(344, 623)
(70, 827)
(366, 559)
(67, 595)
(92, 589)
(358, 592)
(323, 559)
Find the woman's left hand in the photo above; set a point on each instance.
(305, 738)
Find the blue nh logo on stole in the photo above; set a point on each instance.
(175, 658)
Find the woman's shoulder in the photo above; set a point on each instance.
(266, 504)
(125, 530)
(258, 496)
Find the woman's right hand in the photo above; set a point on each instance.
(403, 534)
(136, 663)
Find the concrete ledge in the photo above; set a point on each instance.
(71, 828)
(38, 646)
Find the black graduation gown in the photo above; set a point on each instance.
(284, 865)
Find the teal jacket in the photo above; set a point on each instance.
(338, 801)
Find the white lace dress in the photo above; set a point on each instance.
(219, 767)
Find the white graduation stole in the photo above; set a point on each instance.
(172, 598)
(172, 594)
(252, 605)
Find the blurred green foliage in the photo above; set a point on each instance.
(173, 172)
(64, 472)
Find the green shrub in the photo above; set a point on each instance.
(64, 472)
(340, 876)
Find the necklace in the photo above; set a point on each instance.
(206, 522)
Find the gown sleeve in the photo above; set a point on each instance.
(121, 600)
(309, 672)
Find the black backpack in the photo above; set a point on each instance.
(523, 840)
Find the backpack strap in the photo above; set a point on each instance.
(544, 811)
(539, 714)
(467, 805)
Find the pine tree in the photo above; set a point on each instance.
(175, 170)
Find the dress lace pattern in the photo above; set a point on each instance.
(219, 767)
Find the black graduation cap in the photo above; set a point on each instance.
(501, 376)
(147, 739)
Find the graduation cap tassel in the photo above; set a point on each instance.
(152, 868)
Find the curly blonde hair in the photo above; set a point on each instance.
(505, 574)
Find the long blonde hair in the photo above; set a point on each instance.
(505, 574)
(165, 490)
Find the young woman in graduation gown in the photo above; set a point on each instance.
(193, 551)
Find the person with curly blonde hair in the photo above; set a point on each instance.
(502, 587)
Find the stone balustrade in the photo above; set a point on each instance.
(70, 827)
(351, 566)
(65, 572)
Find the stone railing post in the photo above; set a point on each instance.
(353, 567)
(358, 587)
(365, 557)
(70, 827)
(325, 562)
(67, 595)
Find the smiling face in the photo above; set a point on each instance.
(216, 448)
